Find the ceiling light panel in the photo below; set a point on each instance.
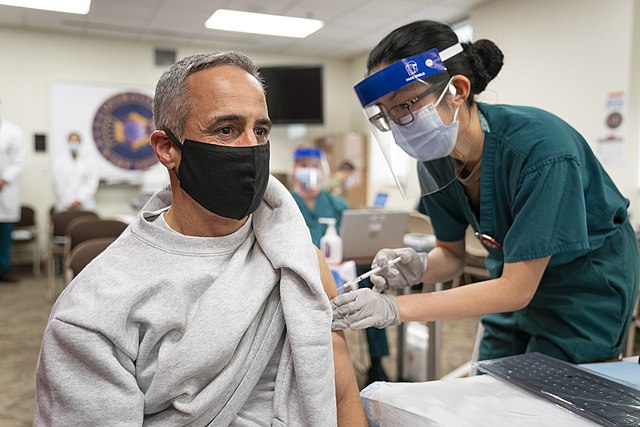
(80, 7)
(259, 23)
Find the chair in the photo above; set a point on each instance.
(82, 254)
(475, 254)
(419, 223)
(82, 229)
(57, 242)
(26, 233)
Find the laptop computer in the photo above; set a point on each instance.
(365, 231)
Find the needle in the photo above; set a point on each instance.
(352, 283)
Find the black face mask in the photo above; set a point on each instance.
(229, 181)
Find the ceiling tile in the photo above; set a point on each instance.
(186, 20)
(121, 13)
(324, 10)
(390, 11)
(256, 6)
(13, 16)
(40, 19)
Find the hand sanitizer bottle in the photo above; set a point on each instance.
(331, 242)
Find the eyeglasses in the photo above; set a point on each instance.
(401, 114)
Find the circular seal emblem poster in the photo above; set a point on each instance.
(122, 128)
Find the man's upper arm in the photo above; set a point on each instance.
(350, 410)
(82, 378)
(328, 282)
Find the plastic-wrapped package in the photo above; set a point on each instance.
(479, 401)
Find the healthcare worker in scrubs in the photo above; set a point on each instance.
(13, 158)
(562, 254)
(310, 173)
(75, 177)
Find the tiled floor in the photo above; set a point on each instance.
(23, 314)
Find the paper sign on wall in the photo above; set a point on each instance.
(610, 149)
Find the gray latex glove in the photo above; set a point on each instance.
(408, 271)
(363, 309)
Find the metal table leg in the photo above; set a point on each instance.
(400, 345)
(433, 345)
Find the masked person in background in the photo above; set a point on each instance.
(562, 254)
(75, 178)
(342, 180)
(310, 173)
(13, 157)
(212, 307)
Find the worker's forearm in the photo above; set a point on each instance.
(491, 296)
(512, 291)
(349, 405)
(442, 265)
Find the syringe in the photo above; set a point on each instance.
(351, 283)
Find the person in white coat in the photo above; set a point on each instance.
(12, 161)
(75, 178)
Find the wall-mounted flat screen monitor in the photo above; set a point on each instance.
(294, 94)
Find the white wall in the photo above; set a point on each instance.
(633, 122)
(32, 61)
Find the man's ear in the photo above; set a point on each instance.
(166, 152)
(460, 87)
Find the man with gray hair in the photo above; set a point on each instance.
(212, 308)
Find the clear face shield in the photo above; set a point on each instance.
(309, 169)
(405, 104)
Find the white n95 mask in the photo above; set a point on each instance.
(308, 177)
(427, 137)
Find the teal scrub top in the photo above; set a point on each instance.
(326, 205)
(542, 192)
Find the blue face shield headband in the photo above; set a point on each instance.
(310, 177)
(403, 72)
(302, 153)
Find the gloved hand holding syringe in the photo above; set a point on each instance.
(352, 284)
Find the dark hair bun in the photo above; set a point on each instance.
(486, 60)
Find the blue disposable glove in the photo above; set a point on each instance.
(363, 309)
(407, 272)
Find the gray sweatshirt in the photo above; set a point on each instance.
(167, 329)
